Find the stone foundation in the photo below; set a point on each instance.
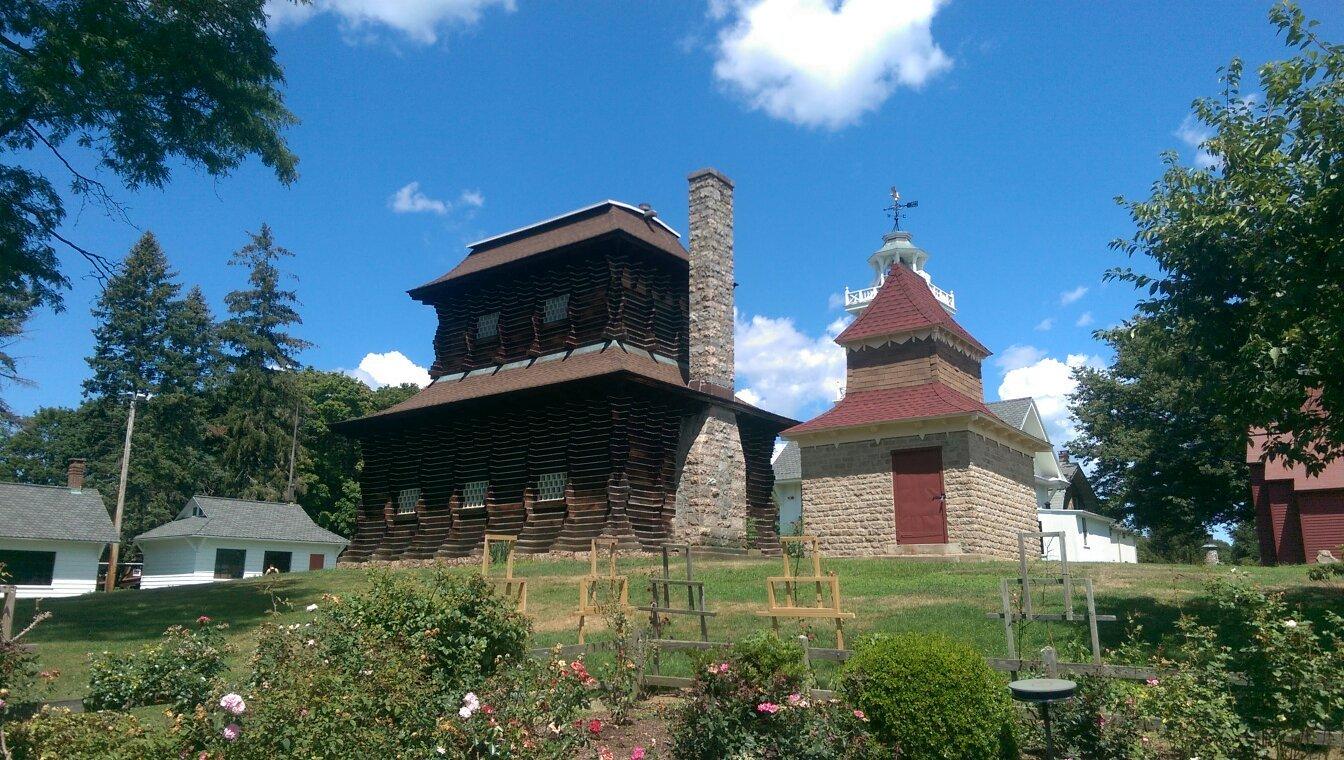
(848, 502)
(712, 489)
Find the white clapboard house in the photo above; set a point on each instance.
(52, 537)
(216, 539)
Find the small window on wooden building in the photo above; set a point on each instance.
(278, 560)
(555, 309)
(406, 499)
(487, 325)
(229, 563)
(26, 568)
(473, 493)
(551, 486)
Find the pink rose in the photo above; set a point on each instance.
(202, 620)
(637, 753)
(723, 667)
(859, 714)
(594, 726)
(795, 699)
(233, 704)
(767, 708)
(1152, 682)
(232, 732)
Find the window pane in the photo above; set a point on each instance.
(551, 486)
(555, 309)
(487, 325)
(278, 560)
(406, 499)
(473, 493)
(23, 568)
(229, 563)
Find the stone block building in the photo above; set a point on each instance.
(911, 460)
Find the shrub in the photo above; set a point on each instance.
(59, 733)
(930, 697)
(181, 669)
(1105, 721)
(755, 703)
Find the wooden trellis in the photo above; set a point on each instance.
(513, 588)
(591, 601)
(660, 591)
(1013, 619)
(826, 604)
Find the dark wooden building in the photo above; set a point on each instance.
(582, 387)
(1297, 515)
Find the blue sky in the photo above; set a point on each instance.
(1013, 124)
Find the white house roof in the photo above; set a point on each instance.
(215, 517)
(54, 513)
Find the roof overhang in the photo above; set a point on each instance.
(988, 425)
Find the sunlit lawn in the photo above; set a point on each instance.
(887, 595)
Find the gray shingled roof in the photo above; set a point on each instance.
(1067, 469)
(54, 512)
(238, 518)
(1013, 411)
(789, 464)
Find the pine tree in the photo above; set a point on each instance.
(133, 313)
(261, 393)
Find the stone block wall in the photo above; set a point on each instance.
(848, 502)
(711, 278)
(711, 504)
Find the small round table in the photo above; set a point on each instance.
(1043, 691)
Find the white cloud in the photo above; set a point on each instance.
(1045, 324)
(1018, 355)
(409, 200)
(420, 20)
(784, 370)
(1071, 296)
(1050, 382)
(391, 368)
(835, 301)
(824, 63)
(1084, 319)
(473, 198)
(1194, 133)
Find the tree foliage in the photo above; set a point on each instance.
(136, 87)
(1250, 251)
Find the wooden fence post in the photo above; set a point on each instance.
(7, 616)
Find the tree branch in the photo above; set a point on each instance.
(102, 267)
(83, 183)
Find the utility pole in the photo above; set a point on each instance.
(293, 451)
(111, 581)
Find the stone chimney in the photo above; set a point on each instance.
(711, 297)
(74, 475)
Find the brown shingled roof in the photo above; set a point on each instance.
(606, 218)
(902, 305)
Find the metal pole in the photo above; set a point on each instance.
(1049, 738)
(111, 581)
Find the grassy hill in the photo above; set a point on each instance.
(887, 595)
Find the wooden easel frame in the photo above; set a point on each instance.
(822, 583)
(617, 585)
(514, 588)
(1012, 619)
(660, 591)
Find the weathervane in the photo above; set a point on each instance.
(897, 207)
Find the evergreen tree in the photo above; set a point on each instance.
(261, 394)
(134, 312)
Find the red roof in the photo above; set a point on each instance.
(903, 304)
(891, 405)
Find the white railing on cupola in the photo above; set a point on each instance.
(856, 300)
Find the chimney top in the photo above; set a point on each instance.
(1063, 456)
(74, 475)
(709, 171)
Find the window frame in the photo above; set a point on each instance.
(407, 496)
(242, 563)
(562, 301)
(543, 485)
(44, 560)
(266, 561)
(491, 319)
(469, 490)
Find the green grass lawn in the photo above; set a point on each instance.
(886, 594)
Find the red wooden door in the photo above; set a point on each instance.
(316, 561)
(917, 489)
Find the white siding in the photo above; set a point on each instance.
(789, 497)
(178, 562)
(1088, 537)
(75, 571)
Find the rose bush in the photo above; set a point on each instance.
(182, 669)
